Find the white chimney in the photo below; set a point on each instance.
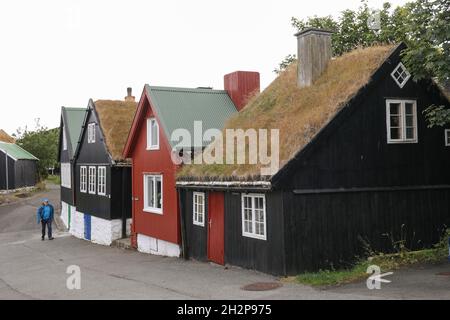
(314, 52)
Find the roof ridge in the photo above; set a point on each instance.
(184, 89)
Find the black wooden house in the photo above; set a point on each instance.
(358, 167)
(103, 193)
(18, 167)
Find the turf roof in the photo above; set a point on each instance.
(115, 118)
(4, 137)
(299, 113)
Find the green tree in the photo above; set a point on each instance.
(42, 143)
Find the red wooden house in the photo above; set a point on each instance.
(161, 111)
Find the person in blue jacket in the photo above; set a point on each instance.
(45, 217)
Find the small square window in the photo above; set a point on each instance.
(400, 75)
(447, 137)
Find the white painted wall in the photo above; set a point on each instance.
(77, 225)
(65, 214)
(157, 247)
(104, 232)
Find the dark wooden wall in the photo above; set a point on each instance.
(26, 174)
(263, 255)
(196, 241)
(120, 192)
(324, 230)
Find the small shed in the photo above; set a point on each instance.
(18, 168)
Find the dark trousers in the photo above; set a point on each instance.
(47, 223)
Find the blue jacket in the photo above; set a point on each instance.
(45, 213)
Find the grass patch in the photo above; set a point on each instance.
(387, 262)
(54, 179)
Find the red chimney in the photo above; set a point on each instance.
(241, 86)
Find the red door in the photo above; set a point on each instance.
(216, 240)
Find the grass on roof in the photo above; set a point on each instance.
(115, 119)
(298, 113)
(4, 137)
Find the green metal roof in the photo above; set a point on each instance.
(16, 152)
(179, 108)
(73, 119)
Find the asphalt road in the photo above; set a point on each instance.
(32, 269)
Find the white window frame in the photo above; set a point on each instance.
(253, 234)
(66, 175)
(195, 209)
(403, 138)
(91, 133)
(101, 181)
(64, 138)
(146, 199)
(447, 137)
(408, 75)
(83, 179)
(150, 122)
(92, 180)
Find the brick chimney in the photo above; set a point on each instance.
(314, 53)
(241, 86)
(130, 96)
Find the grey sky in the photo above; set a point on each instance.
(56, 52)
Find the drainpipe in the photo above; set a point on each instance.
(124, 216)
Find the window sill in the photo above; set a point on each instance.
(152, 149)
(153, 211)
(198, 224)
(254, 236)
(402, 141)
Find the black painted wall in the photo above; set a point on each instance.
(324, 230)
(263, 255)
(21, 173)
(196, 236)
(25, 173)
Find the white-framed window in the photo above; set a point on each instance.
(64, 139)
(447, 137)
(83, 179)
(92, 180)
(91, 133)
(152, 134)
(199, 209)
(66, 177)
(153, 193)
(101, 179)
(401, 121)
(254, 216)
(400, 75)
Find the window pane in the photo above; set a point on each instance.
(158, 193)
(409, 108)
(409, 133)
(150, 192)
(410, 121)
(395, 121)
(395, 108)
(395, 133)
(154, 133)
